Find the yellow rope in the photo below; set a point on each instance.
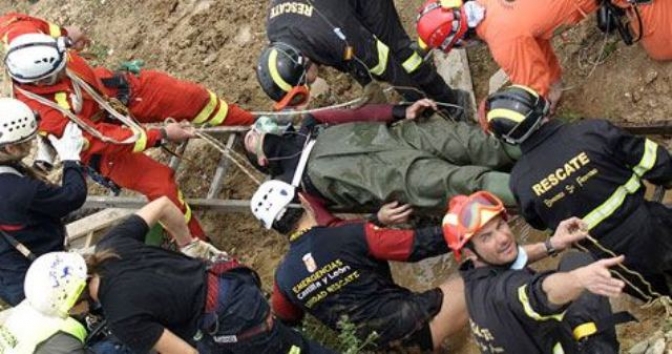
(652, 297)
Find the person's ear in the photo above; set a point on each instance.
(262, 161)
(469, 254)
(306, 205)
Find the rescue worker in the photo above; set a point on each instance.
(30, 207)
(359, 37)
(593, 170)
(336, 271)
(156, 298)
(514, 309)
(61, 86)
(40, 324)
(358, 166)
(518, 34)
(652, 21)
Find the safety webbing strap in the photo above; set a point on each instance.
(303, 161)
(25, 251)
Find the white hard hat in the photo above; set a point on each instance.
(17, 121)
(54, 282)
(35, 56)
(270, 201)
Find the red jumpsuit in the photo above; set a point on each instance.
(154, 96)
(519, 34)
(656, 24)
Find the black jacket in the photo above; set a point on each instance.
(509, 312)
(31, 211)
(589, 169)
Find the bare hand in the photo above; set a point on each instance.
(393, 213)
(597, 278)
(177, 133)
(569, 231)
(77, 36)
(415, 110)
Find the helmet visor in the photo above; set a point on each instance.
(477, 210)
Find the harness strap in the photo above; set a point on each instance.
(303, 161)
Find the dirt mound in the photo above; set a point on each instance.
(216, 43)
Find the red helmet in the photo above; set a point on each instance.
(466, 216)
(442, 24)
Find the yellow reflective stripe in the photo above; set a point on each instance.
(187, 209)
(422, 44)
(584, 330)
(505, 113)
(557, 349)
(529, 311)
(616, 199)
(141, 143)
(294, 350)
(607, 208)
(412, 63)
(383, 53)
(528, 89)
(648, 158)
(62, 100)
(54, 31)
(74, 328)
(207, 110)
(275, 75)
(222, 112)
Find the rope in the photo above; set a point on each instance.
(229, 153)
(652, 296)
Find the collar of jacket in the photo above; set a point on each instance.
(471, 273)
(547, 129)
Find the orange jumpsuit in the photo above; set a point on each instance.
(154, 96)
(656, 24)
(519, 32)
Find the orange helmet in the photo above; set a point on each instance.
(442, 24)
(466, 216)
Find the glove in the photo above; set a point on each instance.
(45, 156)
(203, 250)
(373, 94)
(70, 144)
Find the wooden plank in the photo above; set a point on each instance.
(497, 81)
(196, 204)
(100, 220)
(454, 68)
(220, 173)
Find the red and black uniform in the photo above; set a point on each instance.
(510, 313)
(152, 97)
(594, 170)
(336, 271)
(362, 37)
(31, 212)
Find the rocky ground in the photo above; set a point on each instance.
(216, 42)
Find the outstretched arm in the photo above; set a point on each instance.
(563, 287)
(568, 231)
(375, 113)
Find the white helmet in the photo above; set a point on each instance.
(35, 56)
(17, 122)
(54, 282)
(270, 201)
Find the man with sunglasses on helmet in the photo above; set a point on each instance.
(514, 309)
(338, 270)
(358, 162)
(61, 86)
(360, 37)
(517, 32)
(595, 171)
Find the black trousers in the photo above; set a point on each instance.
(405, 67)
(587, 308)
